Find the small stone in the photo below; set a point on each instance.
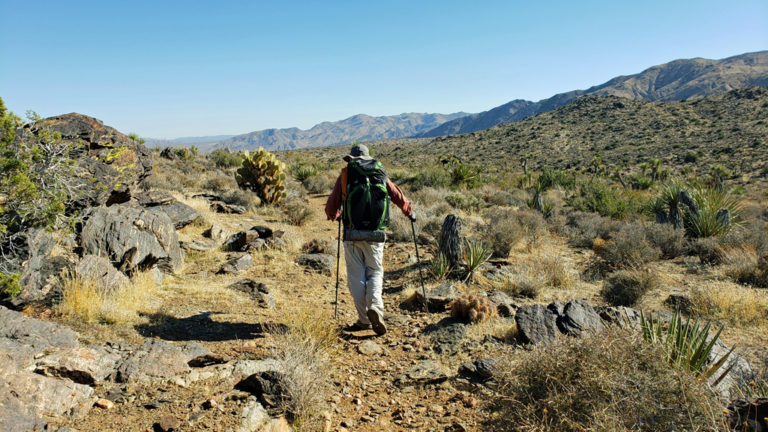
(210, 403)
(104, 404)
(369, 347)
(167, 423)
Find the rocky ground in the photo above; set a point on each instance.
(178, 368)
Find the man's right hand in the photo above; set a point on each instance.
(412, 216)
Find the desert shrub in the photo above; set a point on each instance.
(533, 224)
(552, 178)
(746, 266)
(606, 200)
(304, 349)
(241, 197)
(318, 184)
(9, 285)
(609, 381)
(586, 227)
(552, 271)
(462, 174)
(224, 158)
(709, 250)
(297, 212)
(627, 248)
(727, 302)
(219, 184)
(473, 308)
(670, 241)
(437, 178)
(430, 196)
(303, 172)
(522, 285)
(753, 235)
(503, 198)
(626, 287)
(468, 203)
(502, 230)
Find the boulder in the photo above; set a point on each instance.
(438, 296)
(39, 395)
(22, 337)
(217, 233)
(270, 388)
(83, 365)
(369, 348)
(100, 270)
(133, 238)
(109, 164)
(579, 317)
(244, 241)
(324, 263)
(739, 375)
(153, 198)
(257, 290)
(424, 372)
(237, 264)
(265, 232)
(180, 214)
(157, 360)
(537, 323)
(505, 306)
(446, 336)
(14, 417)
(619, 315)
(481, 369)
(39, 270)
(748, 415)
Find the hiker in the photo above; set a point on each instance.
(361, 198)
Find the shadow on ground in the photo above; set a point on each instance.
(201, 327)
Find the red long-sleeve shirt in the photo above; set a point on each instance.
(333, 205)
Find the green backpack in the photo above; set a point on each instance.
(366, 206)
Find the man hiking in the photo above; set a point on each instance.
(361, 198)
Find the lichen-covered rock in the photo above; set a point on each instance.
(109, 163)
(39, 271)
(133, 238)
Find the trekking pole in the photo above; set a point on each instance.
(338, 252)
(418, 261)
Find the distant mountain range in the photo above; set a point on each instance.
(676, 80)
(360, 127)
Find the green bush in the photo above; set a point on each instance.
(606, 200)
(668, 239)
(627, 248)
(502, 230)
(551, 178)
(437, 178)
(9, 285)
(303, 172)
(223, 158)
(466, 202)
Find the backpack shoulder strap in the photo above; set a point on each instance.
(343, 184)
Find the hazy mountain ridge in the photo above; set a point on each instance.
(360, 127)
(676, 80)
(202, 142)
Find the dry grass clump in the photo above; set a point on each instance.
(472, 307)
(322, 183)
(731, 303)
(584, 228)
(219, 183)
(609, 381)
(90, 301)
(671, 241)
(709, 250)
(297, 212)
(745, 266)
(304, 350)
(627, 248)
(626, 287)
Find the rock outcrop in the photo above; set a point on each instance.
(133, 238)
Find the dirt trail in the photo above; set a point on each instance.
(197, 306)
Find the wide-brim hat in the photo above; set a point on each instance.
(358, 152)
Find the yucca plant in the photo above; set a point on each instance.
(707, 222)
(687, 344)
(303, 172)
(440, 267)
(475, 254)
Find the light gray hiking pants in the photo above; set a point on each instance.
(365, 274)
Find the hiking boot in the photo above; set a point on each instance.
(376, 322)
(357, 327)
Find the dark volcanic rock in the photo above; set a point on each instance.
(244, 241)
(424, 372)
(504, 304)
(446, 336)
(579, 317)
(321, 262)
(158, 360)
(199, 245)
(133, 238)
(536, 323)
(481, 369)
(257, 290)
(26, 337)
(222, 207)
(180, 214)
(83, 365)
(109, 164)
(153, 198)
(749, 415)
(271, 388)
(264, 231)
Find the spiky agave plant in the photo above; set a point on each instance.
(709, 221)
(687, 344)
(475, 254)
(440, 267)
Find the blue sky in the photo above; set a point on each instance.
(189, 68)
